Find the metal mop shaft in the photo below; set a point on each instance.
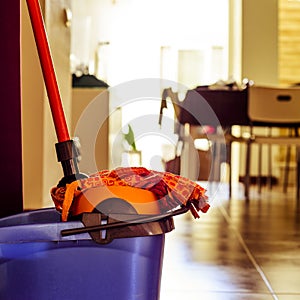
(66, 151)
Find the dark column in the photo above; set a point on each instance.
(11, 201)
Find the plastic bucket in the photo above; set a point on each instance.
(36, 262)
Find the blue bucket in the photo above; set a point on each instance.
(38, 263)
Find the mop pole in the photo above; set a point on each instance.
(66, 151)
(48, 70)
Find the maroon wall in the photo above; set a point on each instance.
(10, 116)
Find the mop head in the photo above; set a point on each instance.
(170, 190)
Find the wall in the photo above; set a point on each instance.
(90, 124)
(152, 39)
(137, 30)
(259, 41)
(59, 38)
(32, 115)
(140, 32)
(289, 42)
(41, 170)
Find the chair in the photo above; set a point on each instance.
(187, 111)
(273, 107)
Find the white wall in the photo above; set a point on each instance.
(137, 29)
(178, 40)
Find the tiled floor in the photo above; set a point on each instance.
(237, 250)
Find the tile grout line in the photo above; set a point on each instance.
(248, 252)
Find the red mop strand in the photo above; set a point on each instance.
(48, 70)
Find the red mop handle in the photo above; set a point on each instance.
(48, 70)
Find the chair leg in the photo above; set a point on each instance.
(229, 145)
(259, 175)
(216, 161)
(298, 175)
(270, 162)
(286, 169)
(247, 170)
(297, 168)
(270, 167)
(287, 161)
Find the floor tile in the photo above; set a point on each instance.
(238, 250)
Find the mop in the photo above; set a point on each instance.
(141, 195)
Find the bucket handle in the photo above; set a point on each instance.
(136, 221)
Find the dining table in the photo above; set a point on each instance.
(219, 109)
